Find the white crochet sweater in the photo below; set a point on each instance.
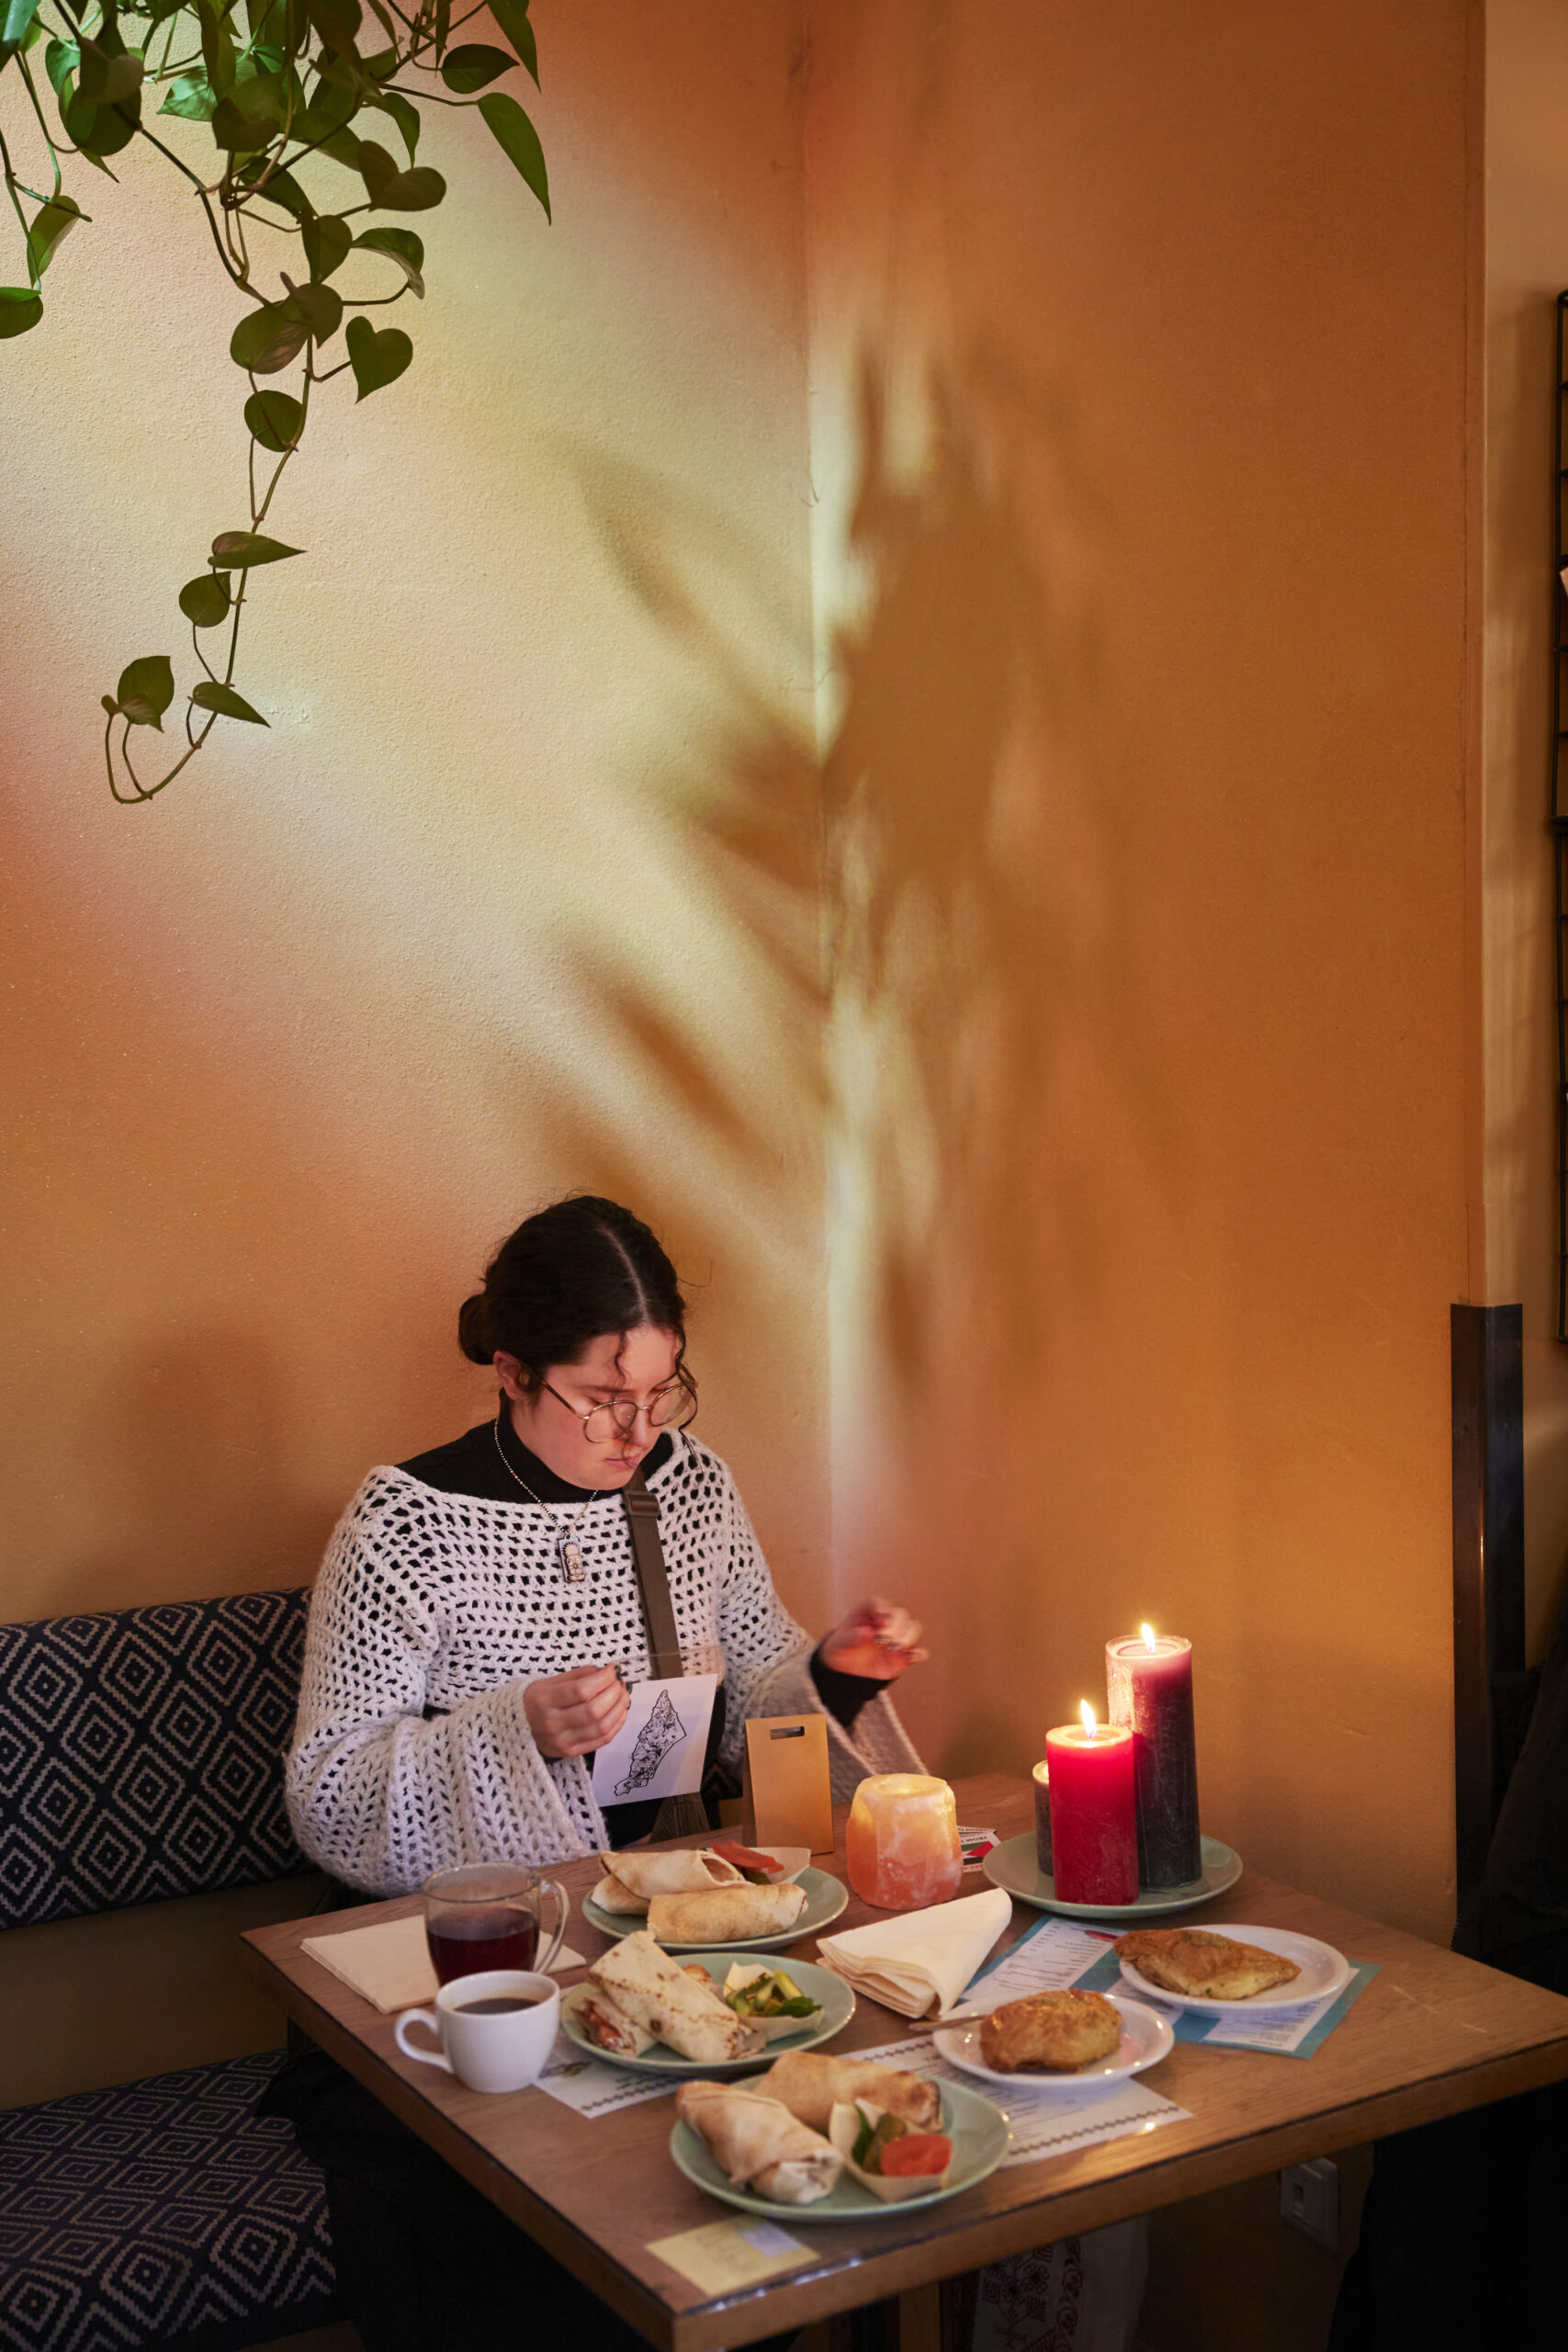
(427, 1598)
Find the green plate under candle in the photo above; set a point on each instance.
(1014, 1867)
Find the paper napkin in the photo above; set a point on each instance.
(389, 1964)
(919, 1962)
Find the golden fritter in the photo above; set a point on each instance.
(1198, 1961)
(1049, 2033)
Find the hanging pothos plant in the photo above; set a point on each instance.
(278, 83)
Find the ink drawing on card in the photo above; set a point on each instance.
(659, 1750)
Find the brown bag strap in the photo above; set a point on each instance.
(647, 1552)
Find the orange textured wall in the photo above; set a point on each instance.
(517, 895)
(1143, 560)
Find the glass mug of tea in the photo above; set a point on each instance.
(496, 2029)
(486, 1916)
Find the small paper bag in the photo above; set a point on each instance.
(789, 1798)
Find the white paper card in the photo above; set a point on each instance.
(1044, 2123)
(593, 2086)
(1268, 2029)
(1055, 1955)
(659, 1750)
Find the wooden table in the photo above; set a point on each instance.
(1431, 2035)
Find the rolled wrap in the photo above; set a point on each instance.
(678, 1873)
(725, 1915)
(647, 1987)
(811, 2084)
(604, 2021)
(613, 1894)
(756, 2140)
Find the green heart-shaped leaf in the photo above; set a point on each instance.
(281, 189)
(16, 23)
(205, 599)
(400, 245)
(61, 58)
(242, 550)
(329, 109)
(191, 97)
(337, 22)
(379, 356)
(241, 133)
(326, 240)
(107, 79)
(471, 67)
(321, 307)
(211, 695)
(217, 48)
(512, 16)
(145, 691)
(390, 190)
(406, 117)
(517, 138)
(48, 226)
(20, 307)
(101, 130)
(274, 419)
(268, 339)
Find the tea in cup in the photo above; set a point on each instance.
(496, 2030)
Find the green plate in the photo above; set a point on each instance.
(825, 1898)
(830, 1993)
(981, 2137)
(1014, 1867)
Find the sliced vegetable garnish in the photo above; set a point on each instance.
(873, 2140)
(746, 1858)
(916, 2155)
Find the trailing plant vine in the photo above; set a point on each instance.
(281, 85)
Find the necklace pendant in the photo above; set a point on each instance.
(571, 1561)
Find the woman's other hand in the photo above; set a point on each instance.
(570, 1714)
(878, 1640)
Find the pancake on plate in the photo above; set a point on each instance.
(1202, 1964)
(1049, 2033)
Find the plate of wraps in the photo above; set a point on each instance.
(695, 1901)
(639, 2007)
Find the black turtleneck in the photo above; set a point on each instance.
(492, 1463)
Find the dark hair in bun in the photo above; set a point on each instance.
(569, 1274)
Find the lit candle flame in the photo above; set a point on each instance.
(1087, 1711)
(1149, 1634)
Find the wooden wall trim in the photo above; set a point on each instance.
(1487, 1386)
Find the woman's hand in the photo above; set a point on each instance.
(878, 1640)
(570, 1714)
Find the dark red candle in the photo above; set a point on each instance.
(1094, 1831)
(1150, 1687)
(1042, 1817)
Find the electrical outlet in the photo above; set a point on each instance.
(1309, 2200)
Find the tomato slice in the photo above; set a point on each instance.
(917, 2153)
(744, 1859)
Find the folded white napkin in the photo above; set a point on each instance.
(389, 1964)
(919, 1962)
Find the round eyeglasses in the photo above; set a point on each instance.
(620, 1419)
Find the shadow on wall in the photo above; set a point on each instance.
(189, 1442)
(975, 861)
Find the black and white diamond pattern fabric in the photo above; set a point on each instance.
(141, 1753)
(164, 2211)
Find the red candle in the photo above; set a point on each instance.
(1094, 1821)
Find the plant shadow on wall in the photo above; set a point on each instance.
(987, 1054)
(189, 1444)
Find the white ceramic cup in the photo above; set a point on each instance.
(489, 2049)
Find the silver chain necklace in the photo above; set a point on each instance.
(569, 1552)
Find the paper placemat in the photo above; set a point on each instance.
(389, 1964)
(1287, 2033)
(721, 2256)
(593, 2086)
(1044, 2122)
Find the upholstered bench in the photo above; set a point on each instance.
(140, 1758)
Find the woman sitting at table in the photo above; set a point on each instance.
(475, 1603)
(460, 1669)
